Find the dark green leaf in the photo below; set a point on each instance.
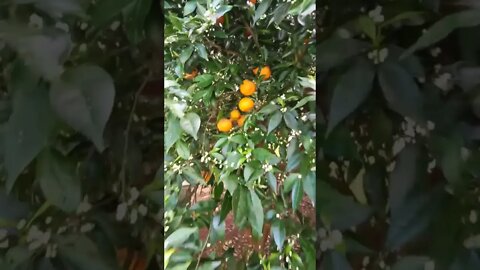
(240, 206)
(84, 99)
(444, 27)
(186, 53)
(30, 125)
(335, 260)
(411, 263)
(80, 252)
(134, 20)
(297, 194)
(173, 132)
(202, 51)
(255, 214)
(105, 11)
(58, 181)
(352, 89)
(280, 13)
(263, 155)
(182, 150)
(290, 120)
(261, 9)
(401, 91)
(274, 121)
(335, 51)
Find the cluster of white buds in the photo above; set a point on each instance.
(267, 167)
(378, 56)
(376, 14)
(84, 206)
(329, 240)
(35, 21)
(128, 208)
(36, 238)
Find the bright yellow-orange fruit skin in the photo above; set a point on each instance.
(241, 120)
(234, 115)
(265, 72)
(224, 125)
(245, 104)
(247, 88)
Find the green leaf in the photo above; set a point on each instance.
(297, 194)
(182, 150)
(18, 257)
(44, 52)
(290, 120)
(186, 53)
(352, 89)
(230, 181)
(304, 101)
(278, 233)
(274, 121)
(84, 99)
(202, 51)
(210, 265)
(191, 124)
(255, 215)
(269, 108)
(341, 211)
(335, 51)
(104, 11)
(368, 26)
(335, 260)
(401, 91)
(11, 209)
(173, 132)
(294, 161)
(240, 203)
(272, 181)
(190, 7)
(309, 186)
(448, 153)
(57, 8)
(261, 9)
(58, 181)
(28, 130)
(410, 63)
(263, 155)
(412, 217)
(80, 252)
(444, 27)
(179, 236)
(134, 20)
(280, 13)
(411, 263)
(204, 80)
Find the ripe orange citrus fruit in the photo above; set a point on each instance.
(252, 1)
(247, 88)
(241, 120)
(220, 20)
(265, 72)
(246, 104)
(224, 125)
(191, 76)
(234, 115)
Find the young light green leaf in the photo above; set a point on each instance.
(352, 89)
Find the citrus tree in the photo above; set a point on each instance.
(80, 142)
(398, 174)
(240, 123)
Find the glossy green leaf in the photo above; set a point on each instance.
(191, 124)
(255, 214)
(261, 9)
(336, 51)
(297, 194)
(274, 121)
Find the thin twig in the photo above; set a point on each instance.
(203, 250)
(127, 132)
(254, 36)
(218, 47)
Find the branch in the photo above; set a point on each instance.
(220, 48)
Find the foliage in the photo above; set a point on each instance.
(73, 191)
(398, 176)
(261, 170)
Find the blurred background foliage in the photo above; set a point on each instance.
(398, 180)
